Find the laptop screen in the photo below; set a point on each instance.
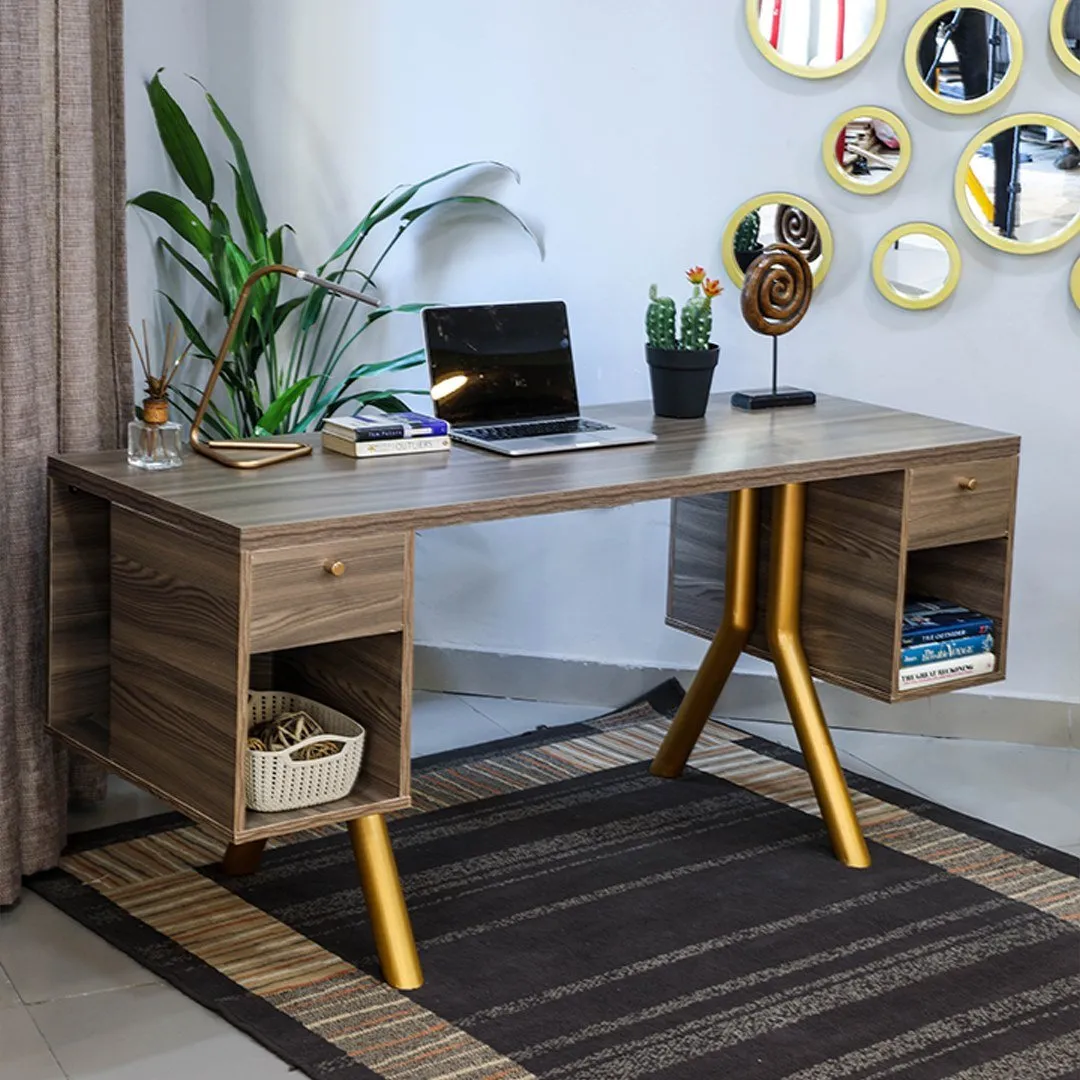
(498, 362)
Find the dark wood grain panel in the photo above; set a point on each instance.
(961, 501)
(853, 580)
(296, 601)
(370, 680)
(328, 494)
(852, 577)
(179, 665)
(78, 641)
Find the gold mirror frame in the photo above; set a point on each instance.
(1013, 247)
(913, 303)
(1001, 91)
(1057, 37)
(1074, 283)
(804, 71)
(727, 241)
(836, 171)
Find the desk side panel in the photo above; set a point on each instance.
(852, 576)
(78, 631)
(179, 664)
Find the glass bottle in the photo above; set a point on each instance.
(154, 439)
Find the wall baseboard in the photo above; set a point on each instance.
(748, 696)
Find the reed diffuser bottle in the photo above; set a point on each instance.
(154, 439)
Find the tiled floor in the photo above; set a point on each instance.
(72, 1006)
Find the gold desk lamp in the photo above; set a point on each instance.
(279, 451)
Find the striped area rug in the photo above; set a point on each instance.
(579, 918)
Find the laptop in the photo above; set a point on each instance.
(502, 377)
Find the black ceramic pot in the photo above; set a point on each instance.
(745, 258)
(681, 379)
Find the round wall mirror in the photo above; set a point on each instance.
(916, 266)
(777, 217)
(964, 59)
(1011, 188)
(818, 40)
(867, 150)
(1065, 32)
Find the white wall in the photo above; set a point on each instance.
(637, 128)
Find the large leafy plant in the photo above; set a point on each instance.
(286, 370)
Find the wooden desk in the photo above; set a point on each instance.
(172, 594)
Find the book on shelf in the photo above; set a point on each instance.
(931, 651)
(373, 424)
(927, 621)
(363, 448)
(946, 671)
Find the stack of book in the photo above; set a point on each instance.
(374, 433)
(942, 642)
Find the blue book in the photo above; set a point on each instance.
(933, 651)
(376, 424)
(927, 621)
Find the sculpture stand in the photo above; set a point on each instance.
(774, 397)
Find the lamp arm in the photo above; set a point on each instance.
(290, 449)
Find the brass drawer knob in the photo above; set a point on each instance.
(969, 484)
(334, 566)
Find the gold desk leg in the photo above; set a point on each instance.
(381, 885)
(785, 643)
(740, 606)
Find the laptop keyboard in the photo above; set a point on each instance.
(498, 432)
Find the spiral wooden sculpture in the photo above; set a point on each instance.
(777, 290)
(797, 228)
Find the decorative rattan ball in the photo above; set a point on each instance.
(287, 730)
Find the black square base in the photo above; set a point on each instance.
(766, 399)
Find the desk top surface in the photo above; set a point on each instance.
(728, 449)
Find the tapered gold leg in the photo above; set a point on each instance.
(381, 885)
(785, 643)
(740, 604)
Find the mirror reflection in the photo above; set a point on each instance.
(916, 266)
(777, 223)
(1022, 185)
(817, 34)
(964, 55)
(1070, 28)
(868, 150)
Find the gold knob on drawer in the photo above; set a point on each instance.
(969, 483)
(334, 566)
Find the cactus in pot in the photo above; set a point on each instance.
(746, 235)
(695, 319)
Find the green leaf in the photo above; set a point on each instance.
(257, 241)
(370, 397)
(180, 142)
(275, 415)
(285, 309)
(469, 200)
(179, 216)
(332, 398)
(275, 243)
(310, 315)
(390, 203)
(246, 180)
(191, 268)
(190, 329)
(214, 420)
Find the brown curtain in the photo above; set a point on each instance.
(65, 370)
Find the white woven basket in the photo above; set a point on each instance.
(275, 780)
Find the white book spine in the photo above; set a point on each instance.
(385, 447)
(945, 671)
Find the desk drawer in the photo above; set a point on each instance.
(957, 503)
(327, 591)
